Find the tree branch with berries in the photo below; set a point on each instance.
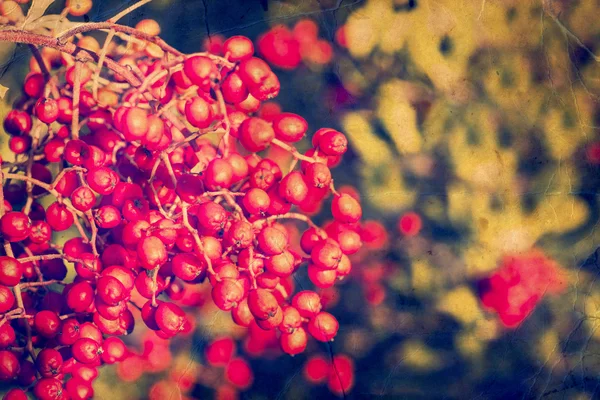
(160, 162)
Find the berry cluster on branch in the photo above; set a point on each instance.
(152, 155)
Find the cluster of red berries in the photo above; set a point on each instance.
(338, 373)
(519, 284)
(285, 48)
(288, 48)
(154, 161)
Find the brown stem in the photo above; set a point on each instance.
(95, 26)
(76, 97)
(293, 151)
(21, 36)
(291, 215)
(194, 233)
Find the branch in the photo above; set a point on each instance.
(20, 36)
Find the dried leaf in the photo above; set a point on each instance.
(3, 90)
(36, 11)
(52, 22)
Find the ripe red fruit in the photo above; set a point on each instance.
(86, 350)
(316, 369)
(69, 332)
(295, 342)
(410, 224)
(218, 175)
(211, 217)
(198, 112)
(47, 323)
(79, 389)
(256, 201)
(102, 180)
(273, 240)
(83, 198)
(323, 326)
(227, 294)
(9, 365)
(34, 85)
(170, 318)
(41, 232)
(48, 389)
(46, 110)
(256, 134)
(321, 278)
(239, 374)
(331, 142)
(263, 305)
(238, 48)
(346, 209)
(49, 363)
(220, 350)
(59, 217)
(289, 127)
(279, 47)
(151, 252)
(15, 226)
(341, 375)
(293, 188)
(107, 217)
(110, 290)
(15, 394)
(7, 299)
(281, 264)
(317, 175)
(7, 335)
(188, 267)
(254, 71)
(134, 124)
(201, 71)
(240, 235)
(113, 350)
(326, 254)
(11, 271)
(17, 123)
(307, 302)
(234, 89)
(76, 151)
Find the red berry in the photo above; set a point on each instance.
(201, 71)
(47, 323)
(59, 217)
(307, 303)
(323, 327)
(15, 394)
(151, 252)
(239, 374)
(289, 127)
(346, 209)
(11, 271)
(293, 188)
(15, 226)
(219, 351)
(295, 342)
(48, 389)
(256, 134)
(46, 110)
(198, 112)
(49, 363)
(170, 318)
(238, 48)
(17, 123)
(86, 350)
